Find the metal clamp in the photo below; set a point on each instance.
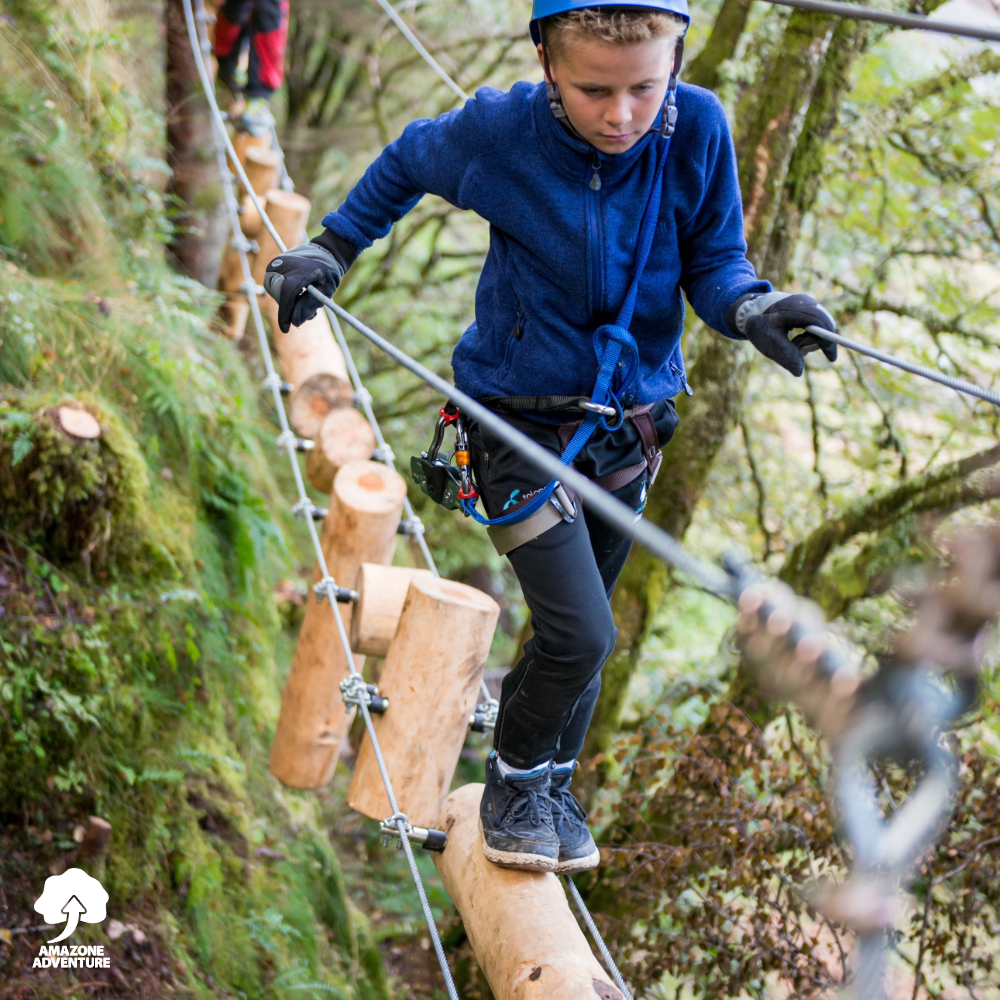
(240, 241)
(362, 398)
(484, 719)
(303, 507)
(327, 588)
(355, 691)
(274, 381)
(411, 526)
(287, 439)
(384, 454)
(252, 288)
(429, 840)
(318, 513)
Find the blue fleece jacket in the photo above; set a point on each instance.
(562, 247)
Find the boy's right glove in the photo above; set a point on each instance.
(768, 319)
(289, 275)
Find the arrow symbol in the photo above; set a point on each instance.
(73, 909)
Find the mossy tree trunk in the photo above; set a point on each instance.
(190, 151)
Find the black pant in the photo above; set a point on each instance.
(567, 576)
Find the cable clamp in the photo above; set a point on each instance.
(429, 840)
(328, 588)
(411, 526)
(289, 439)
(206, 47)
(356, 692)
(484, 719)
(252, 288)
(275, 381)
(362, 398)
(303, 506)
(318, 513)
(240, 241)
(205, 17)
(384, 454)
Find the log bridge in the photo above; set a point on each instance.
(432, 635)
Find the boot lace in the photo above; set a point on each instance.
(565, 807)
(526, 804)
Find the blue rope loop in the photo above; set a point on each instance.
(615, 347)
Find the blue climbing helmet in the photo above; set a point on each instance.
(546, 8)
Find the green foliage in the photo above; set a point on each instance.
(138, 668)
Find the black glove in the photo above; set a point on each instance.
(322, 262)
(766, 321)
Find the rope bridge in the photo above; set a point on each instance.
(412, 618)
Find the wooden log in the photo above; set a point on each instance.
(262, 165)
(289, 213)
(313, 400)
(242, 141)
(381, 595)
(431, 677)
(231, 272)
(519, 923)
(235, 312)
(365, 508)
(250, 221)
(344, 436)
(78, 423)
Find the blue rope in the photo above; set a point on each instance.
(611, 342)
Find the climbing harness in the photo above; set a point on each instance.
(618, 364)
(443, 482)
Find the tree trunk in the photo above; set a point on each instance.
(190, 153)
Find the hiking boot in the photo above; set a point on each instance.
(256, 118)
(515, 819)
(232, 75)
(577, 850)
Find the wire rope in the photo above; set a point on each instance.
(859, 13)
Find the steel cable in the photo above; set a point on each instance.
(858, 13)
(935, 375)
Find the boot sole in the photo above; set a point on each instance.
(512, 859)
(579, 864)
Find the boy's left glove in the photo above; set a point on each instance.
(768, 319)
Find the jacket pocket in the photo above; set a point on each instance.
(516, 333)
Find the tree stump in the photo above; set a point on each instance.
(365, 508)
(381, 595)
(78, 423)
(519, 924)
(431, 677)
(344, 436)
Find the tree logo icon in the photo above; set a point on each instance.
(72, 897)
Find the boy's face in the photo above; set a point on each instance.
(612, 93)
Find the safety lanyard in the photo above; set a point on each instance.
(611, 342)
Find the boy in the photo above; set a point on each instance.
(567, 172)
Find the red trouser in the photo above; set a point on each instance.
(266, 24)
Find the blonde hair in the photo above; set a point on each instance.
(614, 26)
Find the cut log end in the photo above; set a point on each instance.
(369, 486)
(344, 436)
(78, 423)
(381, 595)
(317, 396)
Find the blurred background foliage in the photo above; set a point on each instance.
(140, 665)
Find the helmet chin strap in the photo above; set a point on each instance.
(668, 114)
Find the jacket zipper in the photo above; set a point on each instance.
(682, 377)
(594, 227)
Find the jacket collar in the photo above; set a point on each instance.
(571, 156)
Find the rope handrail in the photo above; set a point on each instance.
(200, 48)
